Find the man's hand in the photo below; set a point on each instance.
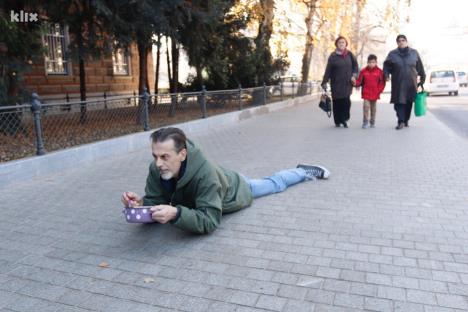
(353, 81)
(130, 199)
(163, 213)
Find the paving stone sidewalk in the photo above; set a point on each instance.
(387, 232)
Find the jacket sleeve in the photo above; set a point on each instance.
(420, 69)
(387, 67)
(206, 215)
(354, 64)
(360, 79)
(326, 75)
(153, 193)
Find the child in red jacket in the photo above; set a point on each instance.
(373, 83)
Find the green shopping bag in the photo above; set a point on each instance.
(420, 104)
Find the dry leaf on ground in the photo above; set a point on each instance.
(103, 264)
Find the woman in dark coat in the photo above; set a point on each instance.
(342, 70)
(404, 64)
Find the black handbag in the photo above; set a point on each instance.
(326, 104)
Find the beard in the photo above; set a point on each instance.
(166, 175)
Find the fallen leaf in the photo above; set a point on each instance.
(148, 280)
(104, 264)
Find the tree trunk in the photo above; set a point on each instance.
(82, 79)
(82, 71)
(199, 69)
(357, 26)
(156, 73)
(175, 65)
(158, 60)
(82, 90)
(361, 50)
(168, 58)
(13, 89)
(142, 64)
(262, 41)
(309, 46)
(142, 45)
(149, 53)
(175, 75)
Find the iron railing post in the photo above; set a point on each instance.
(36, 110)
(281, 90)
(293, 89)
(67, 99)
(203, 102)
(240, 97)
(264, 94)
(145, 98)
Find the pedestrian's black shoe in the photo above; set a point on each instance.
(337, 125)
(315, 171)
(400, 126)
(406, 124)
(345, 124)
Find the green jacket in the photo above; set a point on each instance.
(203, 194)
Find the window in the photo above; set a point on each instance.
(442, 74)
(120, 61)
(55, 41)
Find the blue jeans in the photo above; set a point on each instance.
(276, 183)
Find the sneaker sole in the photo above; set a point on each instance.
(326, 172)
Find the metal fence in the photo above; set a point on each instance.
(34, 128)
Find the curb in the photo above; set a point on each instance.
(30, 167)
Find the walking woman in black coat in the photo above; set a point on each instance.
(341, 71)
(404, 65)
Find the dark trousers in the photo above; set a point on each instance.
(341, 109)
(403, 111)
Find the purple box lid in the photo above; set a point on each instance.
(140, 214)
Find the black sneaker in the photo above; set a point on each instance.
(317, 172)
(345, 125)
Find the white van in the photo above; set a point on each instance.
(442, 81)
(462, 79)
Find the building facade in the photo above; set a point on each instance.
(57, 77)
